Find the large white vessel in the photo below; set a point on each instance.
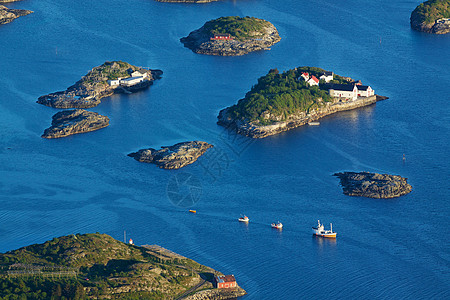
(320, 231)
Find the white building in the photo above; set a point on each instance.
(114, 82)
(131, 81)
(139, 74)
(313, 81)
(365, 91)
(348, 91)
(327, 76)
(305, 76)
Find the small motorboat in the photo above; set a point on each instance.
(320, 231)
(313, 123)
(192, 211)
(244, 218)
(277, 225)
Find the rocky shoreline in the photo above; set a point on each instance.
(200, 42)
(8, 15)
(218, 294)
(257, 131)
(94, 86)
(173, 157)
(373, 185)
(75, 121)
(441, 26)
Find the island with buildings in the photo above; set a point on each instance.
(173, 157)
(432, 16)
(373, 185)
(102, 81)
(75, 121)
(97, 266)
(232, 36)
(283, 101)
(8, 15)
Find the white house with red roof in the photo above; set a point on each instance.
(313, 81)
(305, 76)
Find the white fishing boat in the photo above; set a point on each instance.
(244, 218)
(320, 231)
(313, 123)
(277, 225)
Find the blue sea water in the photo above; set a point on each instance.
(386, 249)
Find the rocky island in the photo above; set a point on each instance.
(373, 185)
(8, 15)
(96, 266)
(280, 102)
(232, 36)
(432, 16)
(102, 81)
(173, 157)
(75, 121)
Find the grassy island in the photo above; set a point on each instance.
(432, 16)
(96, 266)
(432, 10)
(240, 28)
(276, 96)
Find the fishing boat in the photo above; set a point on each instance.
(244, 218)
(192, 211)
(320, 231)
(277, 225)
(313, 123)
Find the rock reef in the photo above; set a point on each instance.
(203, 41)
(173, 157)
(7, 15)
(75, 121)
(373, 185)
(100, 82)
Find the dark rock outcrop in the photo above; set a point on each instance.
(8, 15)
(200, 42)
(75, 121)
(94, 86)
(173, 157)
(373, 185)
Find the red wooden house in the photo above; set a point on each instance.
(225, 281)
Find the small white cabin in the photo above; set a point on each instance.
(327, 76)
(131, 81)
(139, 74)
(114, 82)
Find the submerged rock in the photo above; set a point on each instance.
(75, 121)
(373, 185)
(173, 157)
(8, 15)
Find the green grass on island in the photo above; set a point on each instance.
(110, 70)
(240, 28)
(432, 10)
(282, 95)
(96, 266)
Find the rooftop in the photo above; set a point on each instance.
(225, 278)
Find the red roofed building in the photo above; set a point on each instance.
(305, 76)
(221, 37)
(225, 281)
(313, 81)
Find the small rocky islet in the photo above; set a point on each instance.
(432, 16)
(373, 185)
(75, 121)
(8, 15)
(232, 36)
(97, 266)
(172, 157)
(105, 80)
(283, 101)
